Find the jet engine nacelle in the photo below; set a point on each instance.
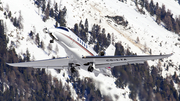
(91, 67)
(101, 53)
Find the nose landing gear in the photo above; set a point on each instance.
(52, 41)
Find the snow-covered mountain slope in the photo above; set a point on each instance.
(172, 5)
(151, 35)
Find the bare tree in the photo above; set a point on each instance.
(137, 40)
(42, 45)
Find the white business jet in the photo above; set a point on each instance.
(81, 55)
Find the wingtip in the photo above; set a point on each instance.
(9, 64)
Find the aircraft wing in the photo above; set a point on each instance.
(59, 63)
(111, 61)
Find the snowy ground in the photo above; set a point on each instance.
(150, 34)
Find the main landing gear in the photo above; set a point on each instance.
(72, 67)
(90, 68)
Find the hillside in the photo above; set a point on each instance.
(133, 29)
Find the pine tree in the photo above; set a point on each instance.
(177, 26)
(43, 7)
(97, 48)
(27, 58)
(20, 19)
(163, 12)
(147, 5)
(64, 11)
(136, 2)
(158, 16)
(3, 42)
(168, 23)
(152, 8)
(137, 40)
(37, 40)
(109, 38)
(61, 19)
(86, 25)
(51, 13)
(46, 14)
(76, 30)
(48, 5)
(113, 39)
(9, 14)
(103, 31)
(31, 34)
(56, 8)
(42, 45)
(156, 8)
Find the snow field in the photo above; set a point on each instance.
(151, 35)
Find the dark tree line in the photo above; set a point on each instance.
(146, 83)
(86, 88)
(26, 83)
(81, 30)
(23, 82)
(97, 35)
(35, 84)
(162, 15)
(17, 22)
(56, 13)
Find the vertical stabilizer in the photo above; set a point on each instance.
(110, 51)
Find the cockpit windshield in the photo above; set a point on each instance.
(63, 28)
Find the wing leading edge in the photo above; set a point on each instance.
(110, 61)
(50, 63)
